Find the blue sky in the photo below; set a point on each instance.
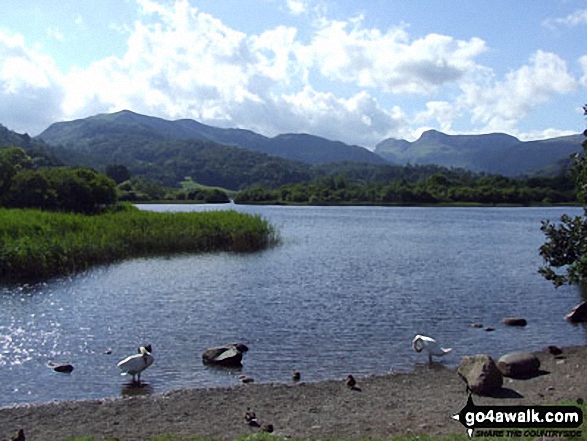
(342, 69)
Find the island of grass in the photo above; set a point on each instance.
(36, 245)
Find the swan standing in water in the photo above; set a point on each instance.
(431, 346)
(135, 364)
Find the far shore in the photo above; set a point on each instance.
(420, 402)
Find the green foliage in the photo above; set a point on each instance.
(118, 173)
(38, 244)
(565, 250)
(434, 189)
(24, 186)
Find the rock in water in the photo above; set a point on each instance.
(60, 367)
(578, 314)
(228, 355)
(481, 374)
(514, 321)
(518, 364)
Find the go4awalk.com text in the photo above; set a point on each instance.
(521, 421)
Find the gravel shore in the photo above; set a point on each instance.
(420, 402)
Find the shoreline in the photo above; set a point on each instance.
(382, 406)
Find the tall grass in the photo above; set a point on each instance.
(37, 244)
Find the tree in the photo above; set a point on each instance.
(565, 251)
(118, 173)
(12, 161)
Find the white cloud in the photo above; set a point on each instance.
(183, 63)
(297, 7)
(55, 33)
(346, 51)
(441, 112)
(583, 64)
(30, 86)
(576, 18)
(499, 105)
(187, 64)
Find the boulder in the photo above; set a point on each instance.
(481, 374)
(514, 321)
(578, 314)
(518, 364)
(230, 355)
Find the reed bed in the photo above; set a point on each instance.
(37, 244)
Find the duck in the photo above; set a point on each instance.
(135, 364)
(251, 418)
(430, 346)
(350, 382)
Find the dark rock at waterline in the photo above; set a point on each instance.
(578, 314)
(518, 364)
(61, 367)
(230, 355)
(555, 350)
(481, 374)
(514, 321)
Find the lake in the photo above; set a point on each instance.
(345, 292)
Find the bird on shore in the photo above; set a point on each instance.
(19, 436)
(296, 376)
(135, 364)
(351, 383)
(430, 346)
(267, 428)
(251, 418)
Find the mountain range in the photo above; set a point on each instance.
(297, 147)
(494, 153)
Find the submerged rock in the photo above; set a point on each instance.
(61, 367)
(514, 321)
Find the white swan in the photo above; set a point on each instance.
(431, 346)
(135, 364)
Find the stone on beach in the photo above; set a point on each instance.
(481, 374)
(518, 364)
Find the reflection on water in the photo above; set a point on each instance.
(133, 389)
(345, 292)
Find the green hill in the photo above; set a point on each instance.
(299, 147)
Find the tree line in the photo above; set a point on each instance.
(435, 189)
(26, 185)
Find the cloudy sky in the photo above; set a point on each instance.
(347, 70)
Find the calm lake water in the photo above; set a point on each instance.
(345, 292)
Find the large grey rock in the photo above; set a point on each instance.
(481, 374)
(227, 355)
(518, 364)
(578, 314)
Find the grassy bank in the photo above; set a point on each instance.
(36, 244)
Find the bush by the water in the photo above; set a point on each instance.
(35, 244)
